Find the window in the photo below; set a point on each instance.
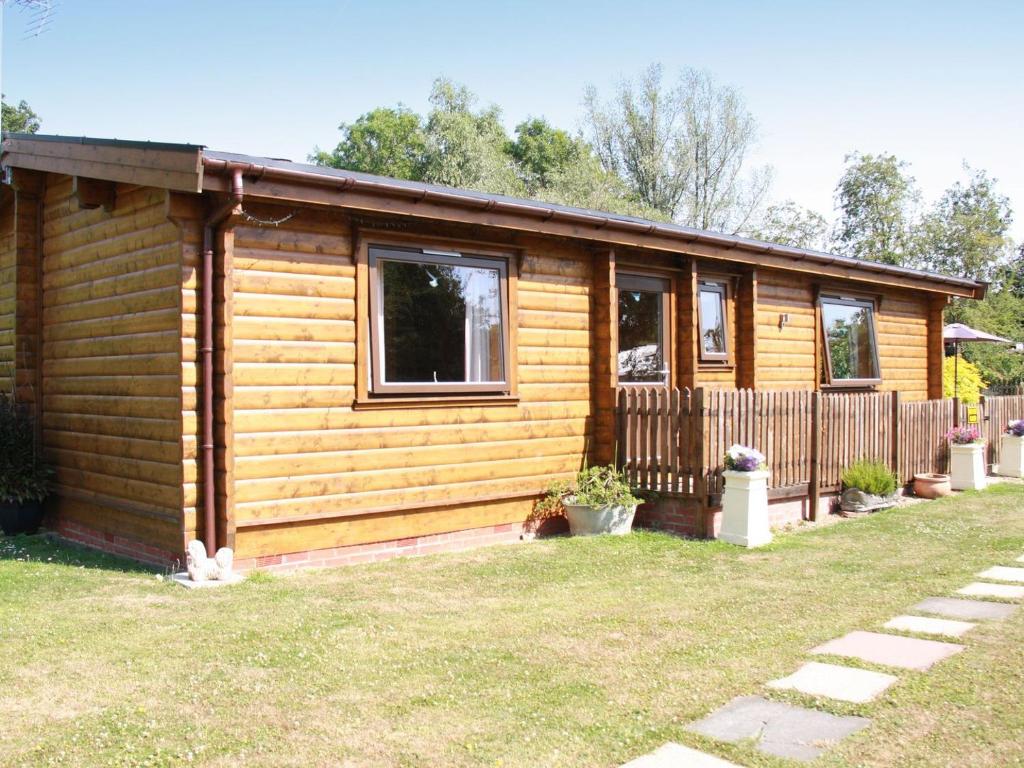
(713, 335)
(851, 351)
(438, 322)
(643, 329)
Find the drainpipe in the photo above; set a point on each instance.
(211, 231)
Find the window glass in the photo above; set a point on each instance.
(440, 322)
(641, 335)
(712, 322)
(850, 335)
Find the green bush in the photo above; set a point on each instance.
(602, 486)
(23, 478)
(872, 477)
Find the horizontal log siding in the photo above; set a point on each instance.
(786, 356)
(111, 390)
(8, 302)
(305, 456)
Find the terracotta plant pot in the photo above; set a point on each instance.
(929, 485)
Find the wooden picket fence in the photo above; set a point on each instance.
(673, 440)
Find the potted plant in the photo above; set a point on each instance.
(24, 480)
(745, 500)
(1011, 450)
(600, 501)
(868, 486)
(966, 458)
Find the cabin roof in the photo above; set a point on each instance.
(194, 168)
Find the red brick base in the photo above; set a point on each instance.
(369, 553)
(684, 517)
(114, 544)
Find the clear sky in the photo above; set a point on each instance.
(935, 83)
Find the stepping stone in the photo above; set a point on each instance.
(927, 626)
(980, 589)
(890, 650)
(836, 682)
(674, 755)
(1003, 573)
(955, 608)
(779, 729)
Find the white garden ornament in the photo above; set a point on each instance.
(1011, 450)
(203, 568)
(745, 500)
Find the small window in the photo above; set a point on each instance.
(714, 345)
(643, 329)
(439, 322)
(851, 349)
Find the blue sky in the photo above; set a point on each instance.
(935, 83)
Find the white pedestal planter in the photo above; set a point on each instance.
(1011, 456)
(745, 509)
(967, 467)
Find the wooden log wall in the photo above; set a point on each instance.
(8, 299)
(787, 357)
(313, 469)
(111, 362)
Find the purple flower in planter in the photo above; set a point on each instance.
(965, 435)
(740, 458)
(1015, 428)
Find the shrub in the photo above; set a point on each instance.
(872, 477)
(602, 486)
(23, 478)
(968, 378)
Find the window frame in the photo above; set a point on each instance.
(721, 287)
(650, 283)
(377, 250)
(849, 301)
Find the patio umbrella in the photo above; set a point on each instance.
(958, 332)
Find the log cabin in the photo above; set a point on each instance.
(317, 366)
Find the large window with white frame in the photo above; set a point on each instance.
(850, 341)
(438, 322)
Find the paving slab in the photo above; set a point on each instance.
(778, 729)
(890, 650)
(1020, 559)
(981, 589)
(929, 626)
(836, 682)
(1003, 573)
(955, 608)
(674, 755)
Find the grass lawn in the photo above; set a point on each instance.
(564, 652)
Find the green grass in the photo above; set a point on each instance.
(564, 652)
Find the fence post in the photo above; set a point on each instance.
(697, 462)
(895, 436)
(814, 475)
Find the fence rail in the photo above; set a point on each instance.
(673, 440)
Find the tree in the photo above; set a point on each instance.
(681, 149)
(876, 199)
(541, 152)
(20, 118)
(966, 233)
(388, 141)
(465, 148)
(790, 224)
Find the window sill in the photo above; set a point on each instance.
(433, 401)
(709, 365)
(860, 386)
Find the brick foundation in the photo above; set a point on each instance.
(114, 544)
(684, 517)
(458, 541)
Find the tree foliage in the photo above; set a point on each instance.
(19, 118)
(792, 224)
(963, 378)
(681, 148)
(876, 199)
(388, 141)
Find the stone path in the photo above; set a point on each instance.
(890, 650)
(930, 626)
(799, 733)
(779, 729)
(835, 682)
(982, 589)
